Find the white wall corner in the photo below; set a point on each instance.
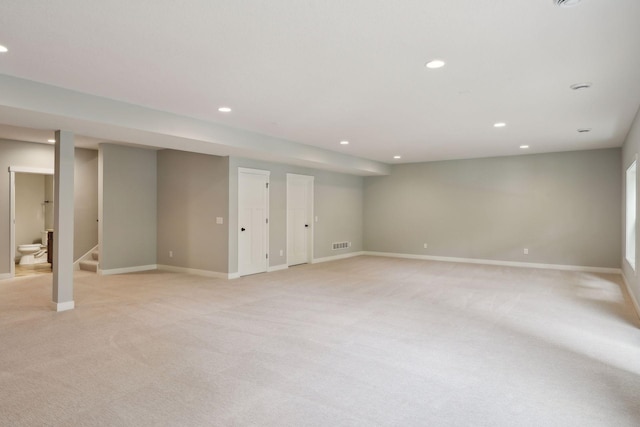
(634, 300)
(235, 275)
(63, 306)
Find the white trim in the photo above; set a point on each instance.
(235, 275)
(338, 257)
(5, 276)
(76, 264)
(277, 268)
(634, 300)
(194, 271)
(126, 270)
(63, 306)
(606, 270)
(40, 171)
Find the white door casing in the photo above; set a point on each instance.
(299, 219)
(253, 217)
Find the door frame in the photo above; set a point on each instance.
(267, 175)
(12, 207)
(310, 181)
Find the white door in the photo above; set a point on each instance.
(253, 218)
(299, 219)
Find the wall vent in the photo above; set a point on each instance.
(341, 245)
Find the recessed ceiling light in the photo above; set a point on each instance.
(3, 49)
(584, 130)
(524, 147)
(436, 63)
(51, 140)
(397, 157)
(224, 109)
(499, 125)
(567, 3)
(344, 142)
(578, 86)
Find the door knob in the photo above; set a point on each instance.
(306, 225)
(242, 229)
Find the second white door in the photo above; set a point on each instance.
(299, 219)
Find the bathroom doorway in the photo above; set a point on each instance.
(32, 211)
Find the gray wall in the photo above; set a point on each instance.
(564, 207)
(629, 151)
(30, 195)
(338, 205)
(193, 189)
(127, 183)
(27, 154)
(85, 202)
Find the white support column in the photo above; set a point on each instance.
(63, 222)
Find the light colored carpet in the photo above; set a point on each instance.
(360, 342)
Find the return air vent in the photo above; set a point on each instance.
(341, 245)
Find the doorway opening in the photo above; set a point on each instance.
(31, 217)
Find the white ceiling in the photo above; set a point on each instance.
(318, 72)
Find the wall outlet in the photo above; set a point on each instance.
(219, 220)
(425, 246)
(316, 219)
(526, 251)
(170, 254)
(281, 252)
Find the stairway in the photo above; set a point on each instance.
(90, 264)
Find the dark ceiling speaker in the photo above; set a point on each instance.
(566, 3)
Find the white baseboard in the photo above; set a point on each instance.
(76, 264)
(5, 276)
(337, 257)
(235, 275)
(501, 263)
(126, 270)
(63, 306)
(194, 271)
(277, 268)
(632, 295)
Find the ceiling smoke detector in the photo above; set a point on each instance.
(566, 3)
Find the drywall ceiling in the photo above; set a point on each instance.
(319, 72)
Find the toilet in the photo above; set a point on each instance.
(35, 253)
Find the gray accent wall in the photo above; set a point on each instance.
(630, 150)
(565, 208)
(127, 183)
(338, 204)
(193, 190)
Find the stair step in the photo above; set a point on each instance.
(89, 265)
(95, 255)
